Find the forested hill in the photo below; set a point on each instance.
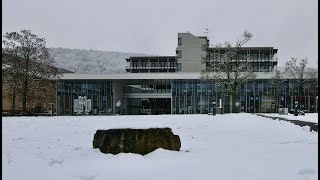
(91, 61)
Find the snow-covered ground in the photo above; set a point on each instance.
(309, 117)
(225, 147)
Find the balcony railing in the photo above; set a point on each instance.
(142, 67)
(250, 60)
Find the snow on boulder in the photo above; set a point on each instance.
(138, 141)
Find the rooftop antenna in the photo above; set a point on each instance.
(207, 32)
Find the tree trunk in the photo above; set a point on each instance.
(234, 99)
(24, 96)
(300, 96)
(276, 104)
(13, 102)
(276, 96)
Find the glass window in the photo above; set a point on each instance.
(179, 41)
(179, 54)
(153, 64)
(179, 66)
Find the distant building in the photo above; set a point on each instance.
(172, 84)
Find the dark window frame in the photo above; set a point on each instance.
(179, 53)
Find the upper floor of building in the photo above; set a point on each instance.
(152, 64)
(193, 54)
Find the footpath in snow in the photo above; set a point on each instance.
(308, 117)
(309, 120)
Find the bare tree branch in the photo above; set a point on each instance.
(27, 59)
(226, 69)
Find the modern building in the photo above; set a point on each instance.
(173, 85)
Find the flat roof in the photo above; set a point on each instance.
(248, 48)
(151, 57)
(131, 76)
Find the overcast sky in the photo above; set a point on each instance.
(151, 26)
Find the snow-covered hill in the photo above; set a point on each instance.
(91, 61)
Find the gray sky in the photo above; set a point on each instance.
(151, 26)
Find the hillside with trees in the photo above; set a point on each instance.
(91, 61)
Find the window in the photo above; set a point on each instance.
(203, 47)
(179, 66)
(172, 64)
(179, 41)
(179, 55)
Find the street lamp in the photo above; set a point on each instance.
(317, 104)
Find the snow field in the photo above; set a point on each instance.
(230, 146)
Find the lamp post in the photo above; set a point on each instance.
(295, 108)
(317, 104)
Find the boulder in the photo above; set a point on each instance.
(138, 141)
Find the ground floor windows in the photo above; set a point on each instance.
(165, 96)
(99, 92)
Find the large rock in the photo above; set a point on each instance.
(139, 141)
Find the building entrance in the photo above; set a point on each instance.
(149, 106)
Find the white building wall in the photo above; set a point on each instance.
(191, 52)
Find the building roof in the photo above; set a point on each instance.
(202, 37)
(248, 48)
(151, 57)
(131, 76)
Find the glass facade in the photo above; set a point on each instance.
(165, 96)
(145, 96)
(148, 86)
(98, 91)
(258, 96)
(192, 96)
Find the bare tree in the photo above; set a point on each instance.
(10, 89)
(26, 58)
(277, 84)
(226, 68)
(313, 76)
(298, 71)
(313, 85)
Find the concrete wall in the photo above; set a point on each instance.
(191, 51)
